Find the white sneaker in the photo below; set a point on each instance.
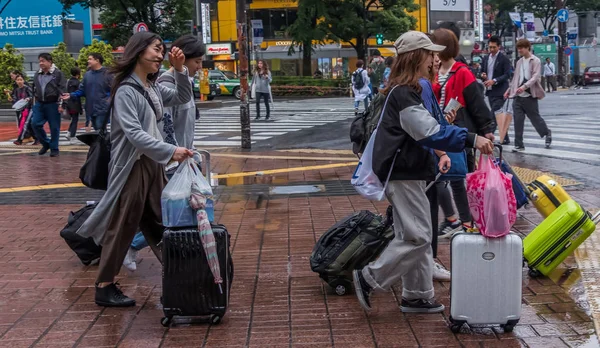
(440, 273)
(129, 261)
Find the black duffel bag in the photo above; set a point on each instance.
(94, 172)
(85, 248)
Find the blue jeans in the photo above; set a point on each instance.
(139, 242)
(366, 101)
(42, 113)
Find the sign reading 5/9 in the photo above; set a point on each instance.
(450, 5)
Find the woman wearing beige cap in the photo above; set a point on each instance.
(406, 133)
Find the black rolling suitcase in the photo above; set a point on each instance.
(188, 284)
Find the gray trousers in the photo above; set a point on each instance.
(527, 106)
(459, 194)
(408, 257)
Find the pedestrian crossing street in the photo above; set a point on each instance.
(574, 137)
(221, 127)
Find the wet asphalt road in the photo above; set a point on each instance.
(568, 113)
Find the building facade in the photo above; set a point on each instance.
(332, 59)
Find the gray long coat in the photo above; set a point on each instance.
(133, 133)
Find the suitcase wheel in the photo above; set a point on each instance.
(456, 325)
(456, 328)
(508, 328)
(215, 319)
(341, 286)
(534, 273)
(166, 321)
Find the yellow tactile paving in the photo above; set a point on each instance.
(528, 175)
(588, 261)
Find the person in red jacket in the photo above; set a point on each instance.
(456, 81)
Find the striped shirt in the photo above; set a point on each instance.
(442, 79)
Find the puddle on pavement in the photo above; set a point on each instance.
(296, 189)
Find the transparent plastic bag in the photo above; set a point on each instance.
(176, 210)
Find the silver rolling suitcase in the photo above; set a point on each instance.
(486, 286)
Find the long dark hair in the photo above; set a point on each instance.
(265, 68)
(135, 47)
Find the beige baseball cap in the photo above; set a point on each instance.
(414, 40)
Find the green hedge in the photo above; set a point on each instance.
(309, 81)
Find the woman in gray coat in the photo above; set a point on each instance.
(138, 156)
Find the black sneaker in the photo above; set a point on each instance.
(548, 139)
(257, 118)
(506, 140)
(44, 149)
(448, 229)
(421, 306)
(112, 296)
(518, 149)
(54, 153)
(363, 289)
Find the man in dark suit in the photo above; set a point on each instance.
(495, 73)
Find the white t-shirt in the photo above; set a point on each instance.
(525, 74)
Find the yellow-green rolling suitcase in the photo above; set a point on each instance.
(557, 237)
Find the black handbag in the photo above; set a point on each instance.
(95, 171)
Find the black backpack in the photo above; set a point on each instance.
(85, 248)
(364, 124)
(359, 81)
(350, 244)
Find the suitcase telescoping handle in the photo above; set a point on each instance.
(437, 177)
(198, 154)
(596, 217)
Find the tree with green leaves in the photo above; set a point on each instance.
(545, 10)
(168, 18)
(354, 21)
(305, 31)
(10, 59)
(63, 59)
(97, 46)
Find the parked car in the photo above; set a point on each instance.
(591, 75)
(228, 82)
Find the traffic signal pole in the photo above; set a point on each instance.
(242, 32)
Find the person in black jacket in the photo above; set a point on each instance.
(402, 146)
(495, 73)
(49, 85)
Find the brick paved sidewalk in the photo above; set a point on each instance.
(46, 295)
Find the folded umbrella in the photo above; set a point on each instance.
(198, 203)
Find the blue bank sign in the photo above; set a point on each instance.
(38, 23)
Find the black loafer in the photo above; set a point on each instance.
(44, 149)
(112, 296)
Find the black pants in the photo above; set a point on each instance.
(433, 204)
(265, 96)
(528, 107)
(73, 125)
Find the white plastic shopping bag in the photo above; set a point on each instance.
(176, 210)
(364, 180)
